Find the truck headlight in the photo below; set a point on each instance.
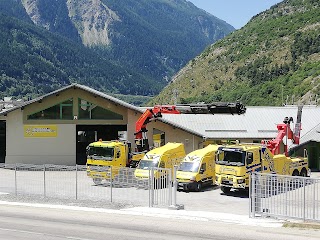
(239, 181)
(193, 178)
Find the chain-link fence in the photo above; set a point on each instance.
(90, 183)
(285, 197)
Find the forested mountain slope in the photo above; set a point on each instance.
(273, 60)
(35, 61)
(50, 43)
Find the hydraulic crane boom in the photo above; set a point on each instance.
(284, 130)
(157, 111)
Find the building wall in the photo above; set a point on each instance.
(172, 134)
(312, 149)
(60, 150)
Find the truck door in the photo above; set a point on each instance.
(203, 172)
(260, 160)
(119, 157)
(250, 162)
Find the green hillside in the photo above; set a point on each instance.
(274, 59)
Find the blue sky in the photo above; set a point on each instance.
(235, 12)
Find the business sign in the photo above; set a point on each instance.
(40, 131)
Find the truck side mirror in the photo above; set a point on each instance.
(87, 150)
(249, 158)
(201, 171)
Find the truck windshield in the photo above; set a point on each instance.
(189, 166)
(103, 153)
(149, 161)
(233, 158)
(147, 164)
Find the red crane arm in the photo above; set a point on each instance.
(284, 130)
(157, 111)
(274, 144)
(150, 115)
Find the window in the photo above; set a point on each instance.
(89, 110)
(162, 164)
(249, 157)
(203, 167)
(61, 111)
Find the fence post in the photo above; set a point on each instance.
(286, 196)
(44, 180)
(151, 186)
(252, 195)
(111, 182)
(15, 180)
(76, 182)
(314, 198)
(174, 196)
(304, 199)
(170, 182)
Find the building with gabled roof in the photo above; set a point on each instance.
(56, 128)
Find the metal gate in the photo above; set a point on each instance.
(285, 197)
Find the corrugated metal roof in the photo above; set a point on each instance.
(257, 122)
(312, 135)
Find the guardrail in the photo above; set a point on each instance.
(286, 197)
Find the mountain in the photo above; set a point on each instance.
(273, 60)
(34, 62)
(133, 47)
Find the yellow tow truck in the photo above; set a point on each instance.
(235, 163)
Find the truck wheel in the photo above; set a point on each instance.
(303, 173)
(225, 190)
(198, 186)
(295, 173)
(97, 181)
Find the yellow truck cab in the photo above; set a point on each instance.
(197, 169)
(166, 156)
(109, 153)
(237, 162)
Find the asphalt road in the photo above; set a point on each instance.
(21, 222)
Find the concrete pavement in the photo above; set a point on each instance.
(166, 213)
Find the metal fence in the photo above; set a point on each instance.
(100, 184)
(284, 197)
